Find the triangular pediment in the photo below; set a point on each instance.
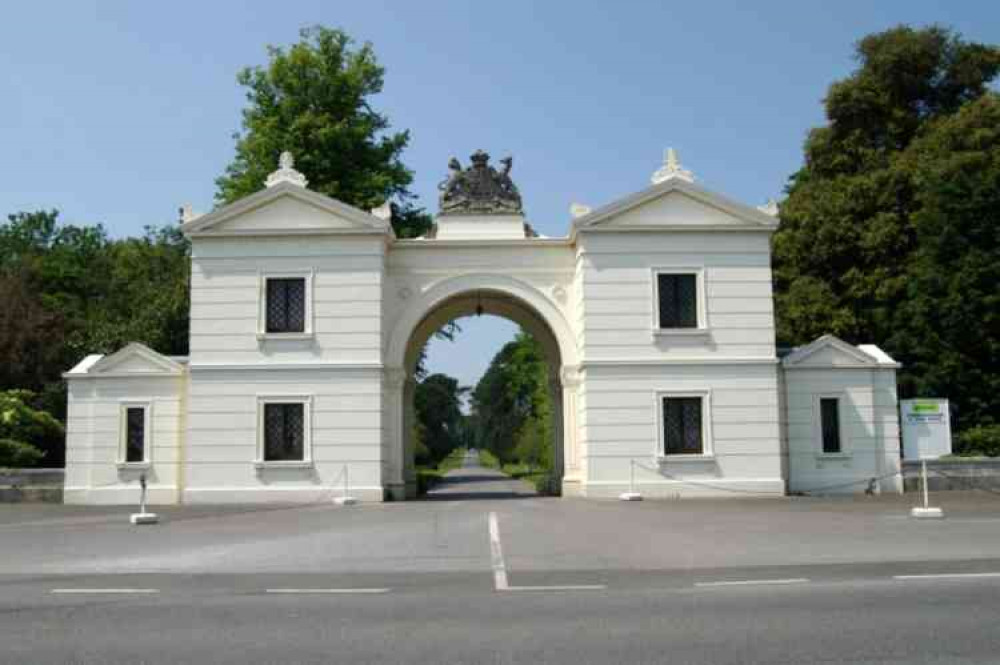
(829, 351)
(676, 204)
(286, 209)
(135, 360)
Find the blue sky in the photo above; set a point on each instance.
(119, 112)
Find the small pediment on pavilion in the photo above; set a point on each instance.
(134, 359)
(831, 352)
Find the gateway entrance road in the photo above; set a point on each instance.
(512, 578)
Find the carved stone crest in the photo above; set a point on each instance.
(479, 189)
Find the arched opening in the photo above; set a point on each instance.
(498, 296)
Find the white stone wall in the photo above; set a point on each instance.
(416, 266)
(346, 426)
(226, 276)
(338, 367)
(93, 472)
(869, 430)
(629, 363)
(621, 422)
(619, 308)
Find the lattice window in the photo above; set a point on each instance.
(284, 432)
(682, 427)
(286, 305)
(830, 424)
(678, 300)
(135, 434)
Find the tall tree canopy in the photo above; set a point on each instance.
(71, 290)
(437, 401)
(314, 100)
(952, 308)
(511, 407)
(852, 247)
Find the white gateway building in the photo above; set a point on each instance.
(656, 313)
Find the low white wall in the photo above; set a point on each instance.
(93, 426)
(869, 430)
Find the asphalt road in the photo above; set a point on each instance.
(511, 578)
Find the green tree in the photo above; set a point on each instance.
(28, 436)
(314, 99)
(952, 310)
(846, 250)
(437, 401)
(71, 290)
(32, 336)
(511, 407)
(146, 295)
(846, 235)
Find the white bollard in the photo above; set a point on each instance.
(927, 511)
(631, 494)
(346, 499)
(142, 517)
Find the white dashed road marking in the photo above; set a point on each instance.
(944, 576)
(496, 556)
(105, 591)
(346, 591)
(791, 580)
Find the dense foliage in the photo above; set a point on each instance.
(28, 436)
(889, 233)
(511, 409)
(979, 440)
(440, 426)
(314, 100)
(71, 290)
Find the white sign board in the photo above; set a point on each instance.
(926, 428)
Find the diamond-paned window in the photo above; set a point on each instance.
(830, 424)
(286, 305)
(682, 431)
(678, 304)
(284, 432)
(135, 434)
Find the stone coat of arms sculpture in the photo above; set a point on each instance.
(479, 189)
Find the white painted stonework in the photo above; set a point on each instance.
(372, 300)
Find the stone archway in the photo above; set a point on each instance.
(466, 295)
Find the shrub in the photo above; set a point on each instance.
(979, 440)
(16, 454)
(24, 429)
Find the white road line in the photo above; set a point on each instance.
(791, 580)
(345, 591)
(559, 587)
(500, 582)
(944, 576)
(105, 591)
(496, 556)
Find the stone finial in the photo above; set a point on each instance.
(286, 172)
(769, 208)
(671, 169)
(383, 212)
(578, 210)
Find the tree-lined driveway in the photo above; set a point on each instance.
(472, 480)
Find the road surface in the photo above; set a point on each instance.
(493, 580)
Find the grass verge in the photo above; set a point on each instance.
(541, 478)
(429, 476)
